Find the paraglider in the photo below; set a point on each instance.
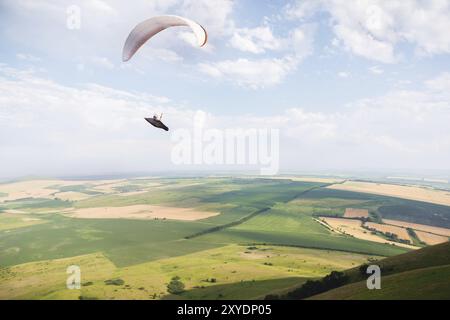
(150, 27)
(157, 122)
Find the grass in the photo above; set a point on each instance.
(147, 254)
(234, 268)
(43, 279)
(31, 204)
(430, 283)
(125, 242)
(10, 221)
(421, 274)
(286, 224)
(82, 188)
(242, 290)
(128, 242)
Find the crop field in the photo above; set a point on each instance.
(401, 233)
(420, 227)
(356, 213)
(355, 229)
(223, 237)
(430, 238)
(401, 191)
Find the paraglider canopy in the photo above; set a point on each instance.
(148, 28)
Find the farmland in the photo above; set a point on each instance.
(224, 237)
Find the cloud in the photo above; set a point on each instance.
(255, 40)
(264, 72)
(343, 74)
(48, 128)
(254, 74)
(375, 29)
(440, 83)
(53, 129)
(376, 70)
(28, 57)
(102, 62)
(214, 15)
(104, 26)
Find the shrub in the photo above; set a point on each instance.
(175, 286)
(114, 282)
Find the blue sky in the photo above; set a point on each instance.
(352, 84)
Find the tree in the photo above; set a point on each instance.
(175, 286)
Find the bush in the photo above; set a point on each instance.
(87, 298)
(312, 287)
(363, 269)
(175, 286)
(114, 282)
(272, 297)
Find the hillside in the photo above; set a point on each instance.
(421, 274)
(428, 283)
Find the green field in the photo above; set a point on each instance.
(275, 218)
(262, 269)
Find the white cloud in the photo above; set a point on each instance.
(440, 84)
(268, 71)
(163, 54)
(376, 70)
(213, 14)
(28, 57)
(254, 74)
(343, 74)
(256, 40)
(102, 62)
(374, 29)
(104, 26)
(48, 128)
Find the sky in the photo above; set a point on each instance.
(350, 85)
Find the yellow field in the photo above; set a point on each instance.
(401, 233)
(354, 228)
(429, 238)
(30, 189)
(405, 192)
(419, 227)
(46, 189)
(71, 195)
(142, 212)
(356, 213)
(108, 186)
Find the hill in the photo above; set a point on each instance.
(421, 274)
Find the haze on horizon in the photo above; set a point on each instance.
(352, 87)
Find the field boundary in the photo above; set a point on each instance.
(228, 225)
(250, 216)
